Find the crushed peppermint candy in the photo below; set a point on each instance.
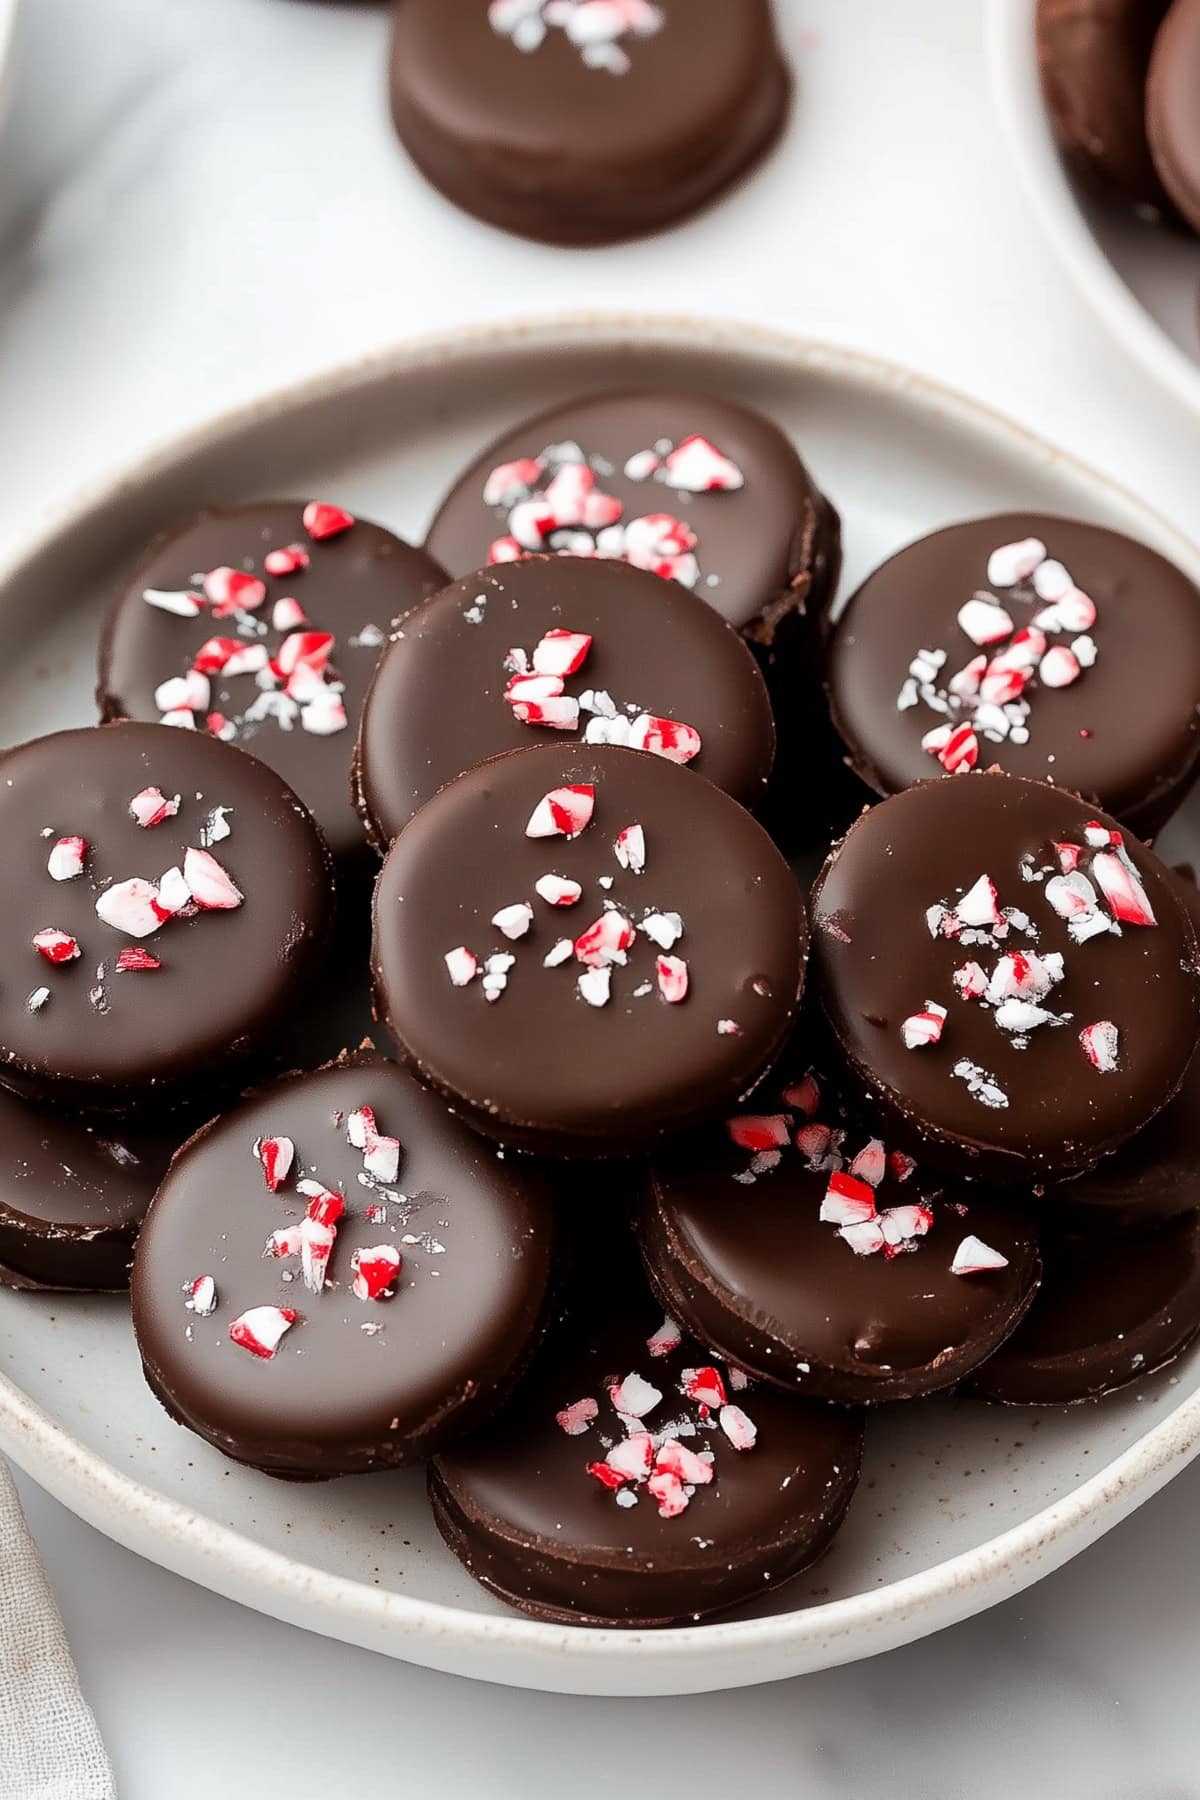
(976, 1258)
(375, 1271)
(56, 946)
(67, 858)
(276, 1155)
(261, 1329)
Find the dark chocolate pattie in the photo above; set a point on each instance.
(585, 129)
(73, 1195)
(1173, 107)
(1094, 56)
(765, 552)
(656, 995)
(1108, 1313)
(518, 1505)
(939, 923)
(941, 660)
(167, 900)
(438, 703)
(355, 1383)
(280, 660)
(862, 1305)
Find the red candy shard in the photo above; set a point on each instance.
(848, 1200)
(924, 1027)
(201, 1296)
(1121, 886)
(261, 1328)
(556, 890)
(635, 1396)
(979, 905)
(984, 620)
(56, 946)
(381, 1154)
(284, 1242)
(901, 1225)
(900, 1166)
(575, 1418)
(1059, 667)
(132, 907)
(561, 653)
(134, 960)
(287, 561)
(287, 613)
(605, 941)
(676, 1459)
(668, 1337)
(755, 1131)
(276, 1154)
(696, 466)
(669, 1492)
(212, 888)
(671, 973)
(633, 1458)
(670, 738)
(151, 807)
(870, 1165)
(534, 687)
(704, 1386)
(865, 1237)
(324, 1206)
(323, 521)
(971, 981)
(66, 859)
(974, 1257)
(1101, 1045)
(232, 590)
(606, 1476)
(804, 1097)
(554, 714)
(310, 648)
(375, 1270)
(214, 653)
(508, 482)
(564, 812)
(955, 746)
(740, 1430)
(462, 966)
(630, 849)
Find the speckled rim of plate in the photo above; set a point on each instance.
(1017, 96)
(509, 1648)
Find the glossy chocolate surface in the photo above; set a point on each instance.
(1108, 1313)
(1002, 1100)
(355, 1384)
(84, 1031)
(1124, 730)
(517, 1505)
(565, 131)
(1093, 56)
(1173, 107)
(737, 1250)
(543, 1065)
(354, 583)
(437, 705)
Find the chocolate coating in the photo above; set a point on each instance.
(72, 1196)
(1126, 730)
(106, 1038)
(474, 1234)
(516, 1503)
(542, 142)
(1093, 56)
(1108, 1313)
(738, 1253)
(653, 646)
(543, 1067)
(1173, 107)
(1000, 1101)
(356, 582)
(768, 553)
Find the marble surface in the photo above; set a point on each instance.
(200, 199)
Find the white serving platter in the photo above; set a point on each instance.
(1142, 280)
(8, 44)
(961, 1505)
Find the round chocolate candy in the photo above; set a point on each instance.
(336, 1276)
(586, 948)
(1093, 56)
(1009, 975)
(1109, 1312)
(263, 623)
(1172, 108)
(590, 650)
(584, 121)
(72, 1196)
(168, 902)
(632, 1481)
(806, 1254)
(693, 488)
(1042, 646)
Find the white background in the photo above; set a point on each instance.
(200, 199)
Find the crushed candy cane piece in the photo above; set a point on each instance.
(606, 940)
(740, 1430)
(232, 590)
(595, 986)
(323, 521)
(152, 807)
(134, 960)
(973, 1257)
(924, 1027)
(261, 1329)
(561, 652)
(1121, 886)
(630, 849)
(758, 1131)
(704, 1387)
(984, 620)
(663, 929)
(514, 921)
(564, 812)
(276, 1154)
(696, 466)
(634, 1396)
(178, 601)
(561, 952)
(577, 1417)
(1013, 563)
(462, 965)
(374, 1271)
(847, 1201)
(668, 1337)
(669, 738)
(870, 1164)
(201, 1296)
(212, 887)
(671, 973)
(66, 859)
(290, 559)
(131, 907)
(556, 890)
(1101, 1045)
(56, 946)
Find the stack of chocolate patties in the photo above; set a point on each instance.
(1121, 79)
(672, 1178)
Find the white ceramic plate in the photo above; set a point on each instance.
(960, 1505)
(8, 34)
(1144, 282)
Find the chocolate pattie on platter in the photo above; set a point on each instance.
(1109, 1312)
(808, 1254)
(583, 121)
(168, 903)
(1043, 646)
(633, 1481)
(551, 648)
(1011, 977)
(586, 948)
(262, 625)
(337, 1276)
(1173, 107)
(1094, 56)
